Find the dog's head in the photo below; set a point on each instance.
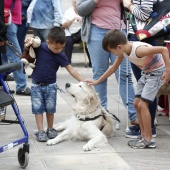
(86, 97)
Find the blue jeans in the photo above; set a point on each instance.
(137, 73)
(41, 33)
(43, 98)
(10, 56)
(100, 63)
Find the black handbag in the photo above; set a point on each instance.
(76, 36)
(158, 25)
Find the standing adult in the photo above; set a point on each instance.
(141, 11)
(72, 25)
(44, 16)
(23, 28)
(19, 76)
(99, 16)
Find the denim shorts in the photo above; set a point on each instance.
(149, 84)
(43, 98)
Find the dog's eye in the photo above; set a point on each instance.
(79, 85)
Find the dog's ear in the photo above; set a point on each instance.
(91, 101)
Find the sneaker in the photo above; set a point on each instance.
(135, 127)
(25, 92)
(135, 132)
(41, 136)
(141, 144)
(51, 133)
(132, 142)
(132, 134)
(9, 78)
(154, 133)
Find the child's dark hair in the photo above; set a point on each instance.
(57, 35)
(112, 39)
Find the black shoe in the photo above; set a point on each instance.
(25, 92)
(9, 78)
(29, 76)
(12, 91)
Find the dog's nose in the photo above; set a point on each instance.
(67, 85)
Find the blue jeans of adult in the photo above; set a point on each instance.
(100, 63)
(137, 73)
(21, 34)
(41, 33)
(10, 56)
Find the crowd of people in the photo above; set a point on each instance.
(93, 20)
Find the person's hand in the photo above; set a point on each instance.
(29, 41)
(165, 77)
(91, 82)
(126, 3)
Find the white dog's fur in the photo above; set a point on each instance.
(87, 105)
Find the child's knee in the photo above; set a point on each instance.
(136, 102)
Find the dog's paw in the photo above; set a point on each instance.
(51, 142)
(88, 147)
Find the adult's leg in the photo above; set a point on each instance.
(100, 63)
(21, 34)
(69, 47)
(41, 33)
(99, 60)
(19, 76)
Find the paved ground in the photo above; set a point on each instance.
(69, 155)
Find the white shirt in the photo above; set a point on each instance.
(75, 26)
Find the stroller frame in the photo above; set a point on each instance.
(6, 100)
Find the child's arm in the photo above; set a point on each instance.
(108, 72)
(146, 51)
(74, 73)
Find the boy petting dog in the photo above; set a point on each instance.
(155, 66)
(49, 57)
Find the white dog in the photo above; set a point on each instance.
(89, 122)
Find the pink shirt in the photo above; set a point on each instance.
(16, 13)
(107, 14)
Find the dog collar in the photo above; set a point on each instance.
(93, 118)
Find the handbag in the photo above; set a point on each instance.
(158, 25)
(76, 36)
(8, 14)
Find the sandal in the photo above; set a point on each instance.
(41, 136)
(25, 92)
(141, 144)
